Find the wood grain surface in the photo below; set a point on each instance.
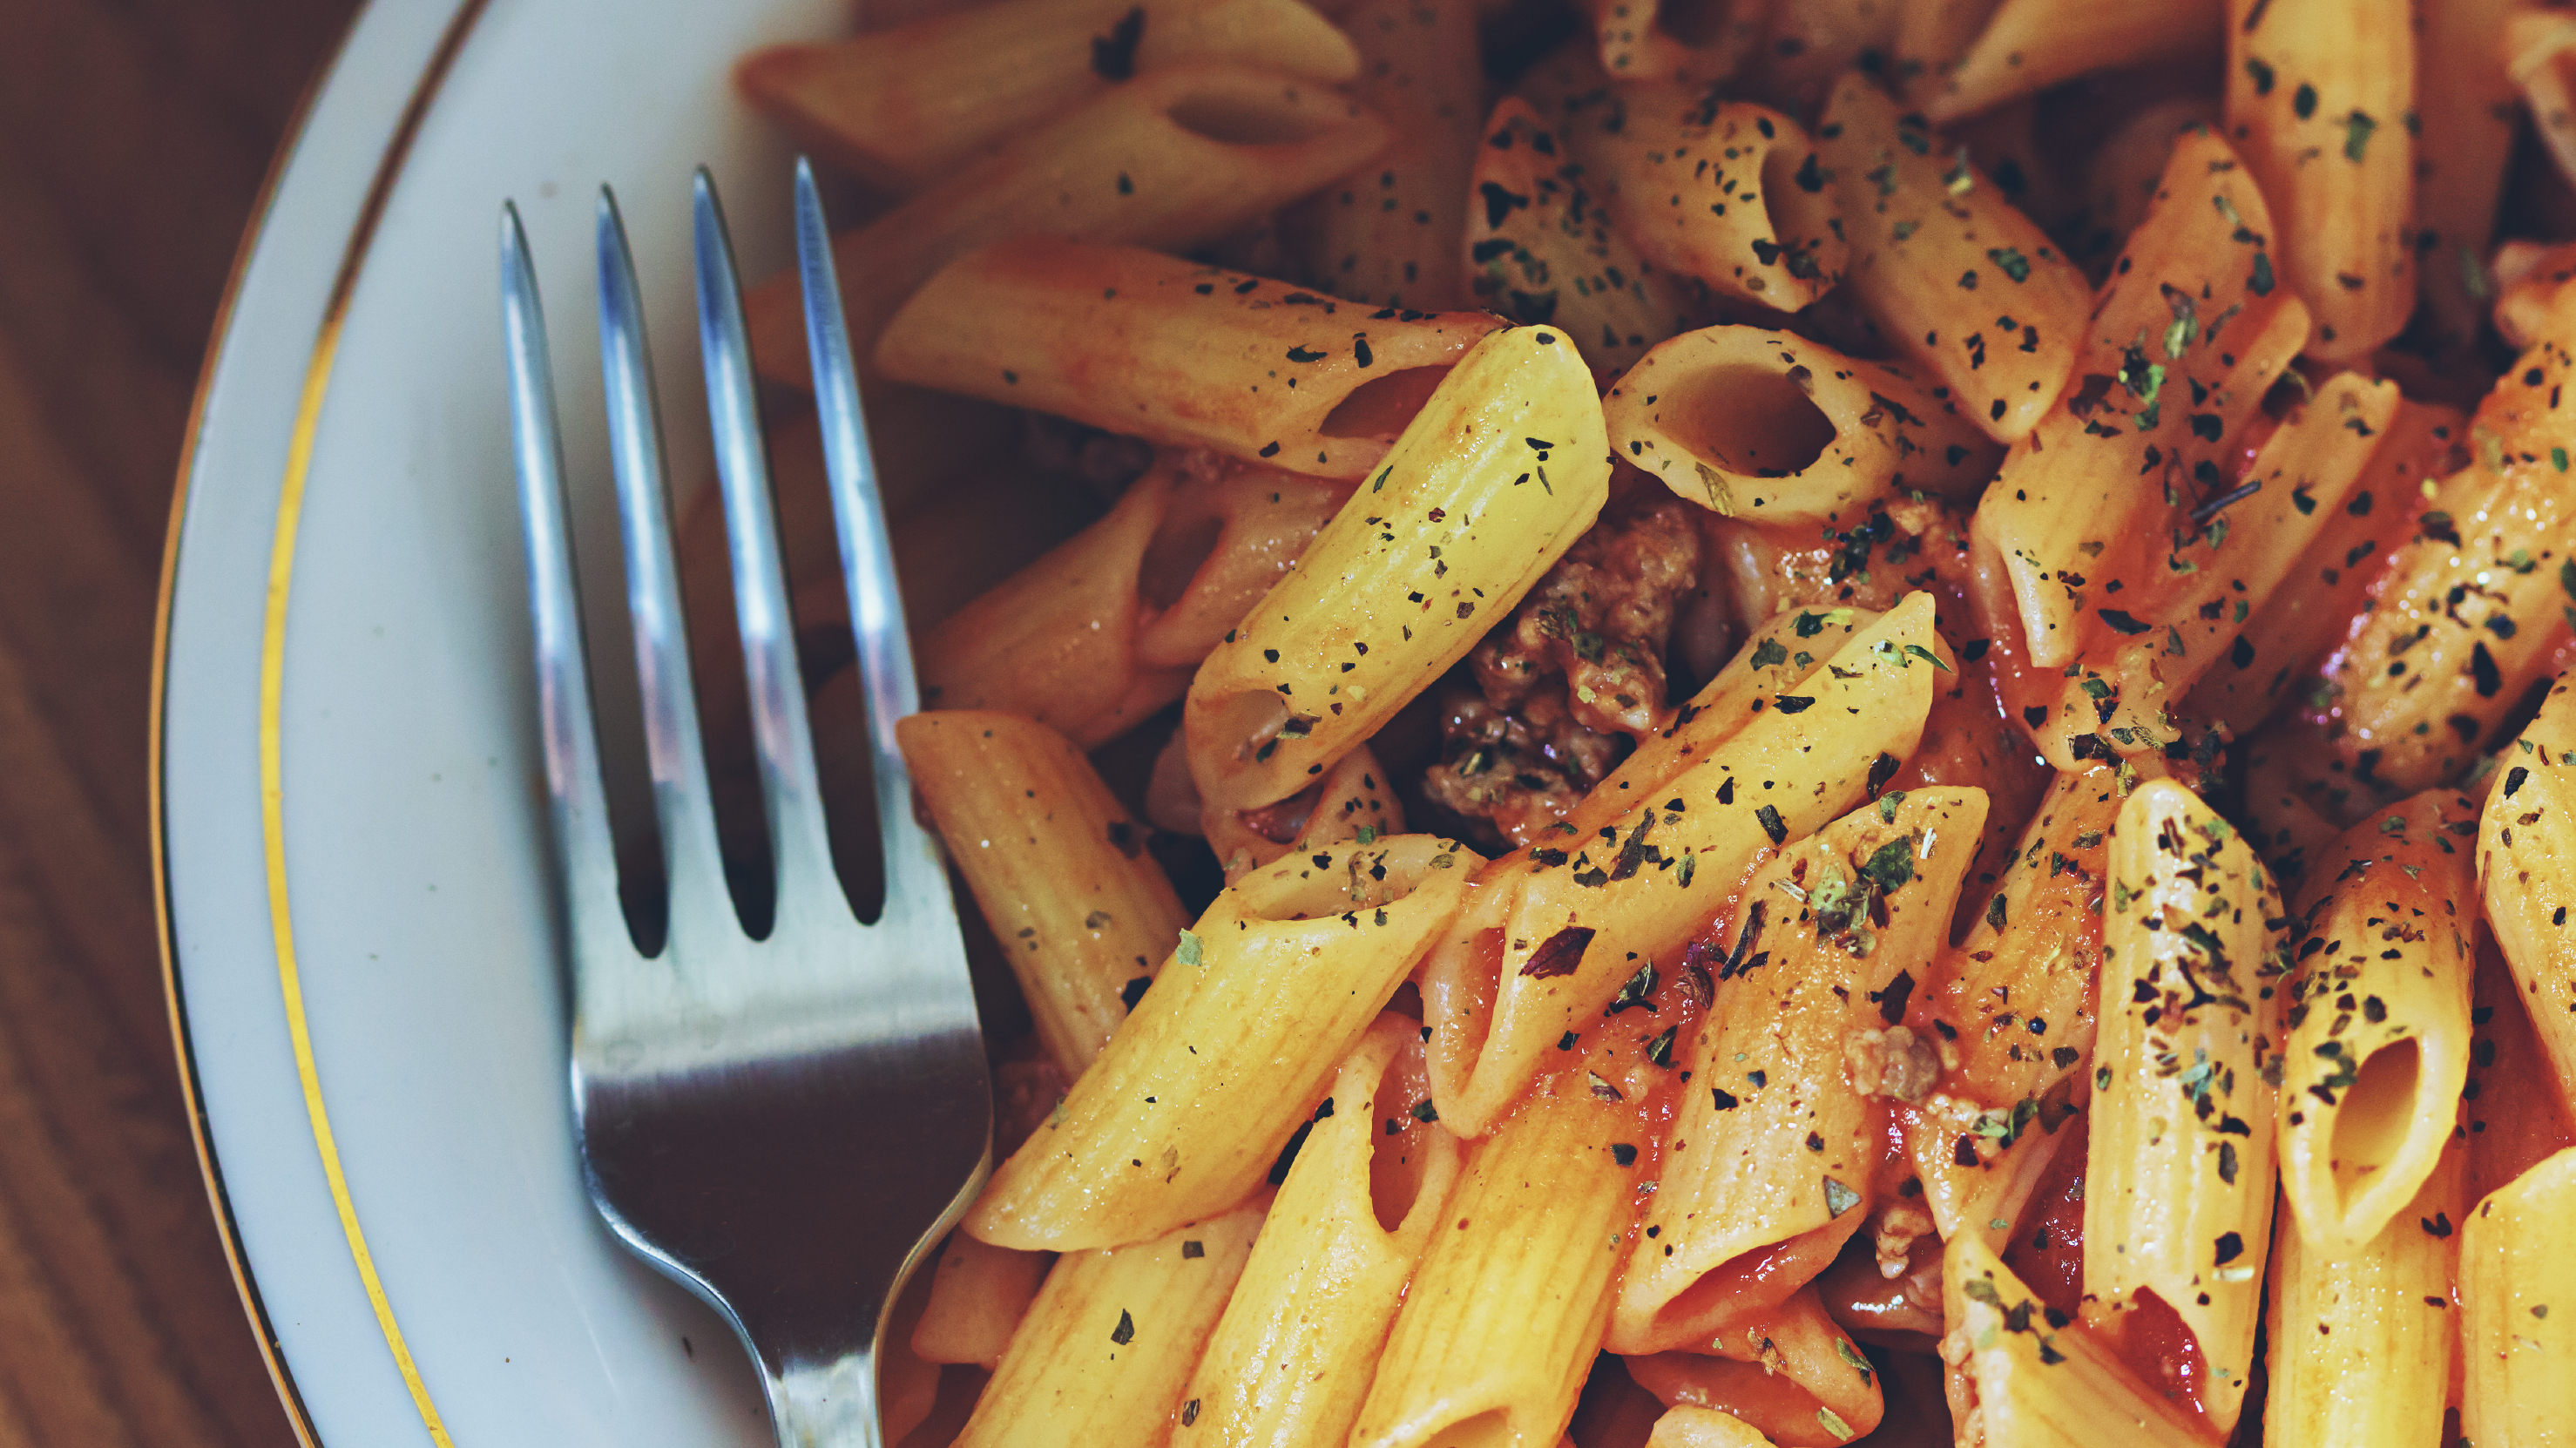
(134, 139)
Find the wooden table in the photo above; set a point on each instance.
(134, 136)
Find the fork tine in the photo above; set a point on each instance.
(798, 840)
(692, 861)
(914, 876)
(577, 802)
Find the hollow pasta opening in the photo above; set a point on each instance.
(1174, 558)
(2377, 1115)
(1247, 118)
(1751, 420)
(1396, 1161)
(1381, 407)
(1492, 1429)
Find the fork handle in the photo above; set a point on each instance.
(829, 1404)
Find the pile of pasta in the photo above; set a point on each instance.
(1986, 575)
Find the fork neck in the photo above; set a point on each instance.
(830, 1404)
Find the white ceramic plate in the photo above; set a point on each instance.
(452, 1285)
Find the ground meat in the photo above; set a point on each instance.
(1902, 545)
(1576, 673)
(1519, 769)
(1895, 1063)
(1601, 619)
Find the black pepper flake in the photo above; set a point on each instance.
(1125, 1332)
(1722, 1100)
(1271, 451)
(1302, 354)
(1759, 1079)
(1771, 823)
(1189, 1412)
(1360, 350)
(1134, 990)
(1726, 791)
(1193, 1250)
(1622, 1153)
(2122, 621)
(1891, 1001)
(2230, 1247)
(2482, 668)
(1881, 770)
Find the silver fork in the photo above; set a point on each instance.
(785, 1125)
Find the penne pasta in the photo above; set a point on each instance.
(1351, 802)
(1489, 484)
(2178, 1169)
(1191, 1104)
(1775, 429)
(1110, 1341)
(1931, 37)
(1688, 1427)
(1386, 232)
(2192, 612)
(2320, 96)
(2126, 171)
(1100, 632)
(1968, 288)
(2361, 1338)
(979, 1295)
(1726, 191)
(2140, 441)
(2518, 1339)
(1297, 1348)
(2527, 873)
(2292, 631)
(900, 108)
(2013, 1002)
(1057, 866)
(2029, 45)
(2465, 100)
(1790, 1374)
(2510, 1125)
(1501, 1319)
(1177, 352)
(1980, 1169)
(2377, 1018)
(2025, 1377)
(1551, 930)
(1541, 249)
(2473, 606)
(1677, 40)
(1175, 158)
(1775, 1139)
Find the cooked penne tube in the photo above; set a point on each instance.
(2527, 873)
(1980, 1168)
(1174, 158)
(1297, 1348)
(2320, 100)
(2376, 1044)
(2466, 101)
(2473, 606)
(1490, 483)
(2539, 52)
(1109, 1344)
(2140, 441)
(1353, 801)
(1501, 1319)
(2178, 1170)
(1965, 285)
(1177, 352)
(1552, 929)
(2291, 632)
(1779, 655)
(1931, 37)
(2013, 1002)
(2189, 615)
(2030, 1379)
(2029, 45)
(1103, 630)
(901, 107)
(2512, 1110)
(1057, 866)
(1540, 248)
(2361, 1339)
(1676, 40)
(978, 1297)
(1688, 1427)
(2126, 171)
(2517, 1335)
(1774, 1139)
(1726, 191)
(1791, 1375)
(1386, 232)
(1247, 1021)
(1773, 428)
